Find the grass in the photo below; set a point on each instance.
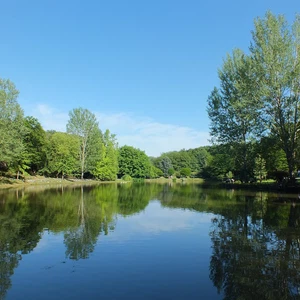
(6, 183)
(176, 180)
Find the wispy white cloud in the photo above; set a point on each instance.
(151, 136)
(141, 132)
(156, 220)
(50, 118)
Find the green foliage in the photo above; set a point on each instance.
(164, 163)
(83, 124)
(229, 175)
(199, 159)
(275, 55)
(232, 108)
(195, 159)
(220, 162)
(171, 172)
(260, 170)
(155, 172)
(185, 172)
(260, 93)
(270, 150)
(62, 152)
(133, 162)
(107, 167)
(35, 144)
(180, 159)
(12, 127)
(126, 177)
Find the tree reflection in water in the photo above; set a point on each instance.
(79, 240)
(255, 243)
(254, 259)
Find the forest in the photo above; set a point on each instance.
(254, 114)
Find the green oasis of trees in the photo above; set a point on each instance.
(254, 113)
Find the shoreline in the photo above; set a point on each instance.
(48, 182)
(9, 183)
(40, 181)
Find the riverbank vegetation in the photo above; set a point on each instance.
(254, 113)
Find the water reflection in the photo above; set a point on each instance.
(82, 214)
(255, 237)
(255, 244)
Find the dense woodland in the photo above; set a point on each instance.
(254, 117)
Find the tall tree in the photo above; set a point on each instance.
(107, 167)
(63, 154)
(84, 124)
(275, 52)
(234, 108)
(164, 163)
(11, 123)
(35, 144)
(260, 170)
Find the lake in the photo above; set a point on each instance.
(148, 241)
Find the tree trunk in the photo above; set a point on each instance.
(291, 162)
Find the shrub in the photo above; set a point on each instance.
(126, 177)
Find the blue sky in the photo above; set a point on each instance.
(145, 68)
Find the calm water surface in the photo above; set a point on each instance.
(148, 241)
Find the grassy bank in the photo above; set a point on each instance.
(7, 183)
(41, 181)
(175, 180)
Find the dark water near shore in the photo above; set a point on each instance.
(148, 241)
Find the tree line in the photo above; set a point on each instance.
(83, 151)
(254, 113)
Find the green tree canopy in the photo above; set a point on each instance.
(84, 124)
(133, 162)
(107, 167)
(35, 144)
(63, 154)
(276, 58)
(12, 128)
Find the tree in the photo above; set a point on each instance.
(107, 166)
(180, 159)
(171, 172)
(260, 171)
(63, 154)
(164, 164)
(275, 53)
(35, 144)
(11, 123)
(221, 161)
(185, 172)
(133, 162)
(233, 109)
(155, 172)
(200, 158)
(84, 124)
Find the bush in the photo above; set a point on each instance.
(126, 177)
(138, 179)
(185, 172)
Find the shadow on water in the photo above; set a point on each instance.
(255, 237)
